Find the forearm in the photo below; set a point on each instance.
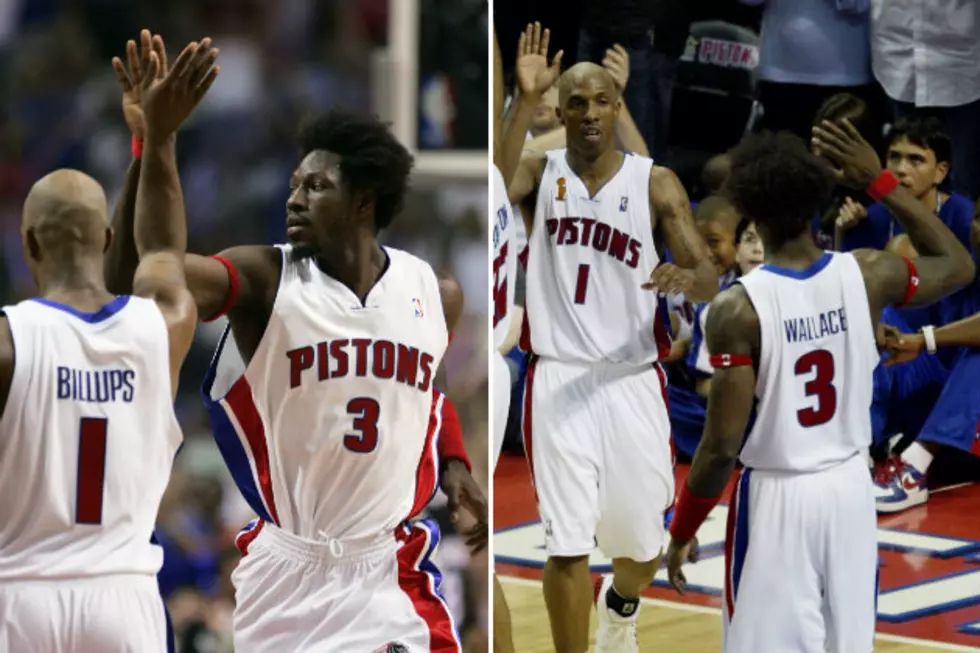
(962, 333)
(160, 223)
(516, 124)
(928, 234)
(121, 259)
(710, 470)
(628, 134)
(553, 140)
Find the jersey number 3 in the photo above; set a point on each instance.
(366, 412)
(821, 387)
(91, 469)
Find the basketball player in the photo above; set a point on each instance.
(322, 401)
(797, 335)
(600, 451)
(87, 382)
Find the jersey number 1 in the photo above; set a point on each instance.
(582, 283)
(91, 469)
(821, 386)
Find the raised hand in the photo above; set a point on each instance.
(669, 279)
(534, 74)
(168, 99)
(850, 213)
(131, 81)
(617, 62)
(853, 161)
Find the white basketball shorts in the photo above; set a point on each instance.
(297, 595)
(801, 559)
(501, 403)
(112, 614)
(598, 438)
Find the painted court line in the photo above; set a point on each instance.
(945, 646)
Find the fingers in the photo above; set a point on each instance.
(200, 65)
(146, 48)
(152, 70)
(203, 87)
(134, 63)
(161, 50)
(522, 44)
(545, 42)
(184, 59)
(851, 130)
(536, 38)
(556, 60)
(677, 580)
(828, 143)
(836, 131)
(621, 51)
(121, 76)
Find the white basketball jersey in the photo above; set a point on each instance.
(504, 260)
(816, 365)
(327, 431)
(87, 440)
(588, 257)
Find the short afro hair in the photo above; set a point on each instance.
(925, 131)
(779, 184)
(371, 158)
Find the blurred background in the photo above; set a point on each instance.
(421, 64)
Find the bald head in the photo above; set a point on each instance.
(66, 208)
(587, 76)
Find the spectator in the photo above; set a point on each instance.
(925, 53)
(809, 51)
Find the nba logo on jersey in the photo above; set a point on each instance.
(417, 303)
(622, 203)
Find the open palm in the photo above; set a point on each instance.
(534, 73)
(131, 81)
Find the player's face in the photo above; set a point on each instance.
(721, 243)
(915, 166)
(318, 211)
(589, 114)
(749, 253)
(546, 113)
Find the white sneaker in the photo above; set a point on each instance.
(616, 634)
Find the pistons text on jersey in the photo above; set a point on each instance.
(589, 232)
(381, 358)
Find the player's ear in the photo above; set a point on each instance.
(363, 202)
(942, 169)
(31, 246)
(109, 235)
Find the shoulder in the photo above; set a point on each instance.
(731, 318)
(665, 186)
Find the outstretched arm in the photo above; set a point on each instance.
(673, 221)
(944, 265)
(160, 229)
(121, 259)
(732, 333)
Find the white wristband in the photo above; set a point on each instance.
(929, 334)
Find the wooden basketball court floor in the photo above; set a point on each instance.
(930, 576)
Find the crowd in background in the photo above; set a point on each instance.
(702, 75)
(280, 61)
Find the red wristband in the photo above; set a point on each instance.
(137, 147)
(691, 512)
(882, 185)
(729, 360)
(450, 444)
(233, 286)
(913, 283)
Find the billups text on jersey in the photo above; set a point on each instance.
(589, 232)
(382, 359)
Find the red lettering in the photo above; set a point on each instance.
(338, 353)
(634, 259)
(322, 361)
(408, 365)
(360, 355)
(299, 359)
(586, 230)
(425, 362)
(384, 359)
(617, 246)
(568, 231)
(601, 238)
(552, 225)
